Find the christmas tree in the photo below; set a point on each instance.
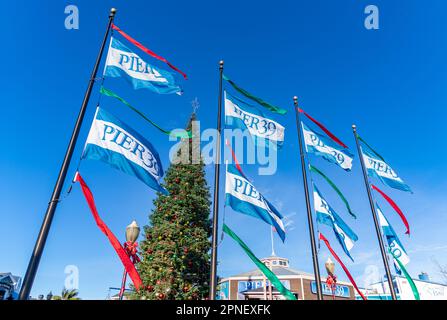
(175, 260)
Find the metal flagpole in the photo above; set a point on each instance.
(309, 209)
(46, 224)
(373, 211)
(213, 279)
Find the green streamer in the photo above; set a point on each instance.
(181, 135)
(381, 158)
(342, 197)
(407, 276)
(254, 98)
(266, 271)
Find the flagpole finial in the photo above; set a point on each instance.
(354, 127)
(295, 100)
(221, 64)
(112, 11)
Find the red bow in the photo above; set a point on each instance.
(132, 250)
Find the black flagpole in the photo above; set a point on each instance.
(46, 224)
(213, 279)
(373, 211)
(309, 209)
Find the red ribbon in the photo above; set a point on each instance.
(128, 265)
(233, 155)
(330, 134)
(348, 274)
(149, 52)
(395, 207)
(132, 250)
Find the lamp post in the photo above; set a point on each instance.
(331, 279)
(132, 233)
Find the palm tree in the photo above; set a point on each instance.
(67, 294)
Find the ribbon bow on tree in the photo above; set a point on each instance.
(132, 250)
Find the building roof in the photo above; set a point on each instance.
(279, 271)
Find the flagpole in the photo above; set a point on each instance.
(309, 210)
(213, 280)
(55, 198)
(373, 211)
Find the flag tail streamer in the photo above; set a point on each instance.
(348, 274)
(149, 52)
(330, 134)
(395, 207)
(181, 135)
(342, 197)
(266, 271)
(128, 265)
(233, 155)
(254, 98)
(408, 277)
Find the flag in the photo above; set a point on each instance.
(254, 98)
(395, 246)
(348, 274)
(149, 52)
(128, 265)
(326, 215)
(181, 135)
(242, 196)
(260, 128)
(395, 207)
(340, 194)
(408, 277)
(118, 145)
(322, 146)
(264, 269)
(377, 167)
(122, 62)
(330, 134)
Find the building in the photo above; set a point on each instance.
(9, 286)
(251, 285)
(428, 290)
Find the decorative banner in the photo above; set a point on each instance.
(327, 216)
(320, 145)
(128, 265)
(122, 62)
(254, 98)
(116, 144)
(243, 197)
(342, 197)
(395, 246)
(377, 167)
(264, 269)
(348, 274)
(259, 127)
(149, 52)
(330, 134)
(408, 277)
(395, 207)
(181, 135)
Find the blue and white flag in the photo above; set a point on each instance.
(118, 145)
(251, 119)
(122, 62)
(394, 244)
(326, 215)
(320, 145)
(377, 167)
(242, 196)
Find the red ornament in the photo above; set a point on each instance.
(185, 250)
(161, 296)
(150, 288)
(185, 289)
(150, 251)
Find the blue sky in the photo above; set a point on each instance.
(390, 82)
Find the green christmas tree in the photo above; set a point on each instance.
(175, 260)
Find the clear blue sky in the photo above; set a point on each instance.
(390, 82)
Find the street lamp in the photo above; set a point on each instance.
(132, 233)
(331, 280)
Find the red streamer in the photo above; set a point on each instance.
(233, 155)
(128, 265)
(395, 207)
(321, 237)
(149, 52)
(330, 134)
